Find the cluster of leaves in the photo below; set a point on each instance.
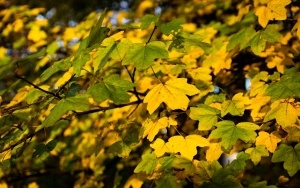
(153, 101)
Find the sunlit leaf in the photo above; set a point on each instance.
(229, 133)
(142, 56)
(270, 141)
(173, 93)
(207, 116)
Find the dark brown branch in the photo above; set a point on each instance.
(103, 109)
(155, 27)
(37, 87)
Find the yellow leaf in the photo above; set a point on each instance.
(135, 181)
(19, 97)
(297, 27)
(64, 78)
(18, 25)
(214, 151)
(256, 105)
(159, 147)
(268, 140)
(151, 128)
(173, 93)
(274, 9)
(279, 62)
(284, 113)
(186, 146)
(36, 34)
(3, 52)
(218, 60)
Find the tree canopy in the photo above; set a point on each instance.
(155, 95)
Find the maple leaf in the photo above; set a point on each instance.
(186, 146)
(256, 153)
(289, 156)
(142, 56)
(284, 113)
(148, 164)
(297, 27)
(274, 9)
(151, 128)
(214, 151)
(113, 88)
(218, 60)
(229, 133)
(207, 116)
(287, 87)
(270, 141)
(159, 147)
(173, 93)
(235, 106)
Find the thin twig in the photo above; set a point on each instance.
(103, 109)
(37, 87)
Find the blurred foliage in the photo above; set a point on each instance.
(149, 95)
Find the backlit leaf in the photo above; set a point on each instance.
(235, 106)
(256, 153)
(113, 88)
(186, 146)
(173, 93)
(229, 133)
(78, 103)
(270, 141)
(273, 10)
(151, 128)
(207, 116)
(148, 164)
(284, 113)
(142, 56)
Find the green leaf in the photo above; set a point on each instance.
(207, 116)
(119, 148)
(61, 65)
(235, 106)
(229, 133)
(41, 148)
(148, 164)
(271, 34)
(121, 49)
(113, 88)
(183, 163)
(238, 165)
(34, 95)
(79, 61)
(23, 114)
(287, 87)
(166, 162)
(142, 56)
(289, 156)
(256, 153)
(257, 43)
(171, 27)
(103, 55)
(147, 20)
(206, 170)
(98, 33)
(241, 38)
(167, 180)
(78, 103)
(261, 184)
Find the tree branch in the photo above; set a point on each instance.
(103, 109)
